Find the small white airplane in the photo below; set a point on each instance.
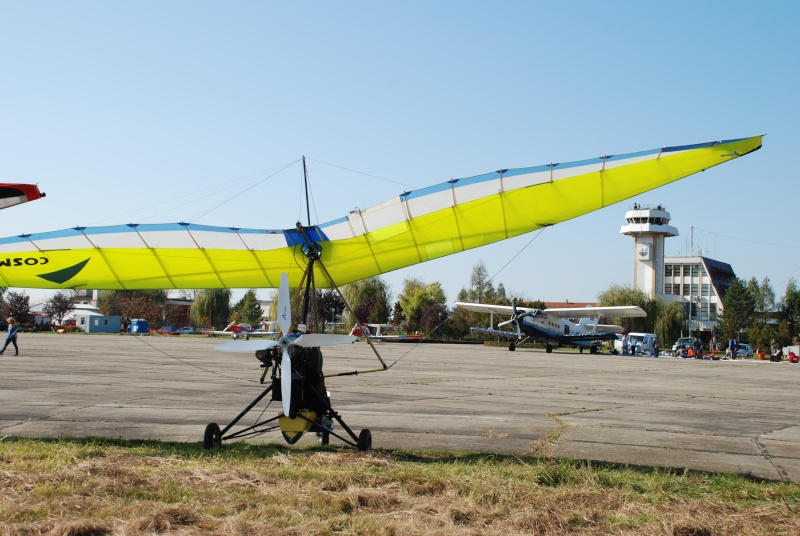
(576, 326)
(246, 330)
(374, 332)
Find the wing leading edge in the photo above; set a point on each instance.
(411, 228)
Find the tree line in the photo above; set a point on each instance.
(751, 311)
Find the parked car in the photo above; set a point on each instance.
(683, 342)
(186, 329)
(167, 330)
(744, 350)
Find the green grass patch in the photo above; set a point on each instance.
(133, 487)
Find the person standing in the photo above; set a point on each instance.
(12, 336)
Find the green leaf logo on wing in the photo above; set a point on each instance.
(65, 274)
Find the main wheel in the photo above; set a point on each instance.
(512, 347)
(324, 438)
(213, 437)
(364, 442)
(549, 348)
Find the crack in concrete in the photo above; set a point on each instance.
(762, 449)
(544, 446)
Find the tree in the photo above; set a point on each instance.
(789, 306)
(397, 314)
(433, 317)
(738, 310)
(617, 295)
(669, 323)
(212, 307)
(248, 308)
(415, 297)
(150, 305)
(58, 306)
(765, 297)
(18, 305)
(370, 300)
(328, 307)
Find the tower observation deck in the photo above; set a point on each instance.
(648, 226)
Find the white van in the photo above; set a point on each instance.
(638, 344)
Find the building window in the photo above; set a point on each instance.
(667, 288)
(694, 289)
(704, 289)
(687, 269)
(712, 312)
(667, 272)
(703, 311)
(695, 269)
(686, 289)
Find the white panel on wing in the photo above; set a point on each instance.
(340, 230)
(117, 240)
(218, 240)
(264, 241)
(627, 161)
(168, 239)
(514, 182)
(565, 173)
(17, 247)
(477, 190)
(64, 242)
(385, 214)
(425, 204)
(355, 222)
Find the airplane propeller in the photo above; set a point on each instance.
(516, 317)
(306, 340)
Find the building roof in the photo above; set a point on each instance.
(720, 273)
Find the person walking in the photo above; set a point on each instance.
(12, 336)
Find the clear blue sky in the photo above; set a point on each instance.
(161, 111)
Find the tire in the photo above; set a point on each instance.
(512, 347)
(324, 438)
(213, 437)
(364, 443)
(549, 348)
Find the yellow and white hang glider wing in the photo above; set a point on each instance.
(408, 229)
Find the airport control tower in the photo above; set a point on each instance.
(648, 226)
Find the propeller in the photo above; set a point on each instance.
(307, 340)
(516, 317)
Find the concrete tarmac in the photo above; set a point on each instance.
(721, 416)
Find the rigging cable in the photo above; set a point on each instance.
(362, 173)
(191, 364)
(517, 255)
(244, 191)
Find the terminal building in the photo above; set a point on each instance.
(697, 282)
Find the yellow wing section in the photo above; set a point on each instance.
(411, 228)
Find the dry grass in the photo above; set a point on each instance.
(97, 487)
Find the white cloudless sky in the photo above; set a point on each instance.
(154, 112)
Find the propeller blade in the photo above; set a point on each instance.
(245, 346)
(514, 306)
(322, 339)
(286, 382)
(507, 322)
(284, 305)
